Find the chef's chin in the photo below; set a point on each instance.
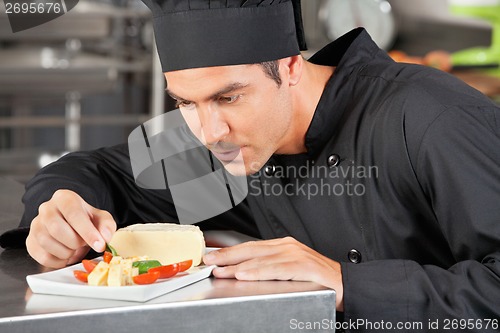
(236, 167)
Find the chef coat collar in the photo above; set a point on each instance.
(348, 53)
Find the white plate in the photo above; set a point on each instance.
(63, 282)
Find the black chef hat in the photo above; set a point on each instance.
(205, 33)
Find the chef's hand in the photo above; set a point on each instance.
(277, 259)
(65, 228)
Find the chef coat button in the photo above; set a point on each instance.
(333, 160)
(354, 256)
(270, 170)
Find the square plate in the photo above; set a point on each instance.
(62, 282)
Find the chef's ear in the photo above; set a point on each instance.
(293, 68)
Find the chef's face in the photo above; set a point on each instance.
(238, 112)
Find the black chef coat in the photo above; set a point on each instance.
(400, 183)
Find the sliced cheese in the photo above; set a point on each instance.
(99, 276)
(115, 272)
(166, 242)
(121, 272)
(128, 272)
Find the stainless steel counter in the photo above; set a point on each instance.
(211, 305)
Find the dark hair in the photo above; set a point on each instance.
(271, 69)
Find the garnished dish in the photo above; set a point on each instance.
(142, 261)
(116, 271)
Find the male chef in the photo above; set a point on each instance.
(377, 179)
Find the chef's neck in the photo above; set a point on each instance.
(306, 94)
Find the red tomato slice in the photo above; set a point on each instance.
(89, 265)
(81, 275)
(185, 265)
(166, 271)
(147, 278)
(107, 257)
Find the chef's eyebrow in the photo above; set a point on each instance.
(174, 96)
(223, 91)
(228, 89)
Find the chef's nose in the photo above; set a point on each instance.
(215, 128)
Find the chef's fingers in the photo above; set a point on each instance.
(51, 218)
(78, 255)
(38, 252)
(236, 254)
(313, 268)
(284, 271)
(53, 245)
(276, 263)
(242, 252)
(286, 259)
(285, 265)
(302, 266)
(79, 216)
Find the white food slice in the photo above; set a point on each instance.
(115, 272)
(99, 276)
(127, 272)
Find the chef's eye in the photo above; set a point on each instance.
(229, 99)
(183, 104)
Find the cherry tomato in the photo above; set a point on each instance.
(89, 265)
(107, 257)
(185, 265)
(81, 275)
(166, 271)
(148, 278)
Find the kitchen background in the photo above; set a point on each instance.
(87, 78)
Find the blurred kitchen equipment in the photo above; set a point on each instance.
(99, 51)
(341, 16)
(488, 10)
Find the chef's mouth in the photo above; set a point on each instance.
(226, 155)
